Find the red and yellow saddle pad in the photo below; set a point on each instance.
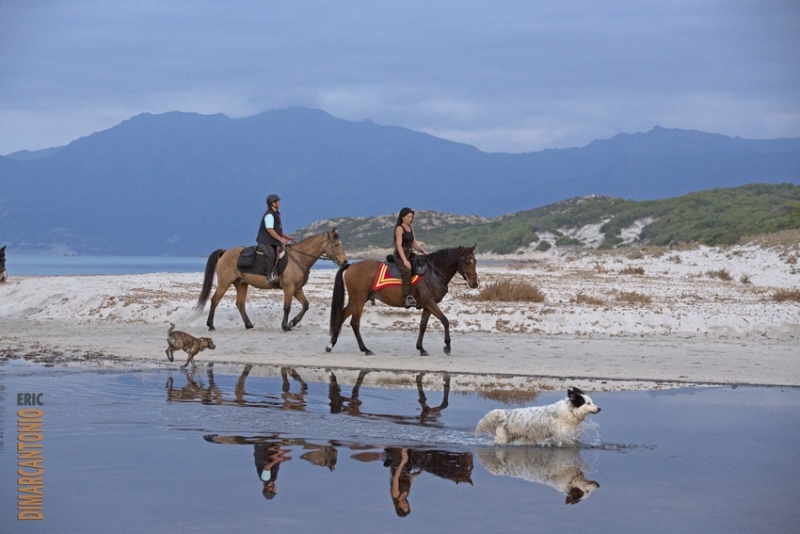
(384, 279)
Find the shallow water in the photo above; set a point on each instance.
(165, 451)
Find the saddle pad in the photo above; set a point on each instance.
(390, 276)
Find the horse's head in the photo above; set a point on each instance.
(3, 276)
(467, 266)
(334, 248)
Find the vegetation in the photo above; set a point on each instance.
(782, 295)
(510, 291)
(632, 297)
(632, 270)
(711, 217)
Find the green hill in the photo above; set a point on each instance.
(711, 217)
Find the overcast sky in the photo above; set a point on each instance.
(505, 76)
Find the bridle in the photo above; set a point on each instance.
(324, 256)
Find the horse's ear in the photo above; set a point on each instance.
(473, 247)
(334, 229)
(461, 250)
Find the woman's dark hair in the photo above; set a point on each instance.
(403, 213)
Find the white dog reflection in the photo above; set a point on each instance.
(561, 469)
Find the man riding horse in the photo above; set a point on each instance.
(270, 237)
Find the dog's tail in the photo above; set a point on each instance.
(171, 328)
(490, 422)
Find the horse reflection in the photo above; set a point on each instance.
(292, 401)
(428, 415)
(194, 391)
(405, 464)
(339, 403)
(559, 468)
(352, 405)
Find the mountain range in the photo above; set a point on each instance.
(185, 184)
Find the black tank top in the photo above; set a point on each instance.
(406, 240)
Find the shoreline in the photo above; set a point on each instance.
(503, 358)
(631, 317)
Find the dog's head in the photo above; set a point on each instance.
(209, 344)
(581, 403)
(580, 489)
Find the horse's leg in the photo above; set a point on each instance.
(241, 298)
(437, 312)
(287, 307)
(218, 294)
(423, 324)
(347, 312)
(355, 324)
(301, 298)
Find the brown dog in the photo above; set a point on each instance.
(177, 340)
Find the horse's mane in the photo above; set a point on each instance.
(443, 259)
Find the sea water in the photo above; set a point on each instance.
(32, 265)
(173, 451)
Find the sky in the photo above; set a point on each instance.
(504, 76)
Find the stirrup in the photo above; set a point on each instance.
(410, 302)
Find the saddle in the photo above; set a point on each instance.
(252, 261)
(418, 265)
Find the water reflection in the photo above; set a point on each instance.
(559, 468)
(194, 390)
(404, 463)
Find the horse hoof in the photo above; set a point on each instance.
(248, 326)
(424, 353)
(369, 353)
(211, 328)
(447, 350)
(286, 327)
(329, 348)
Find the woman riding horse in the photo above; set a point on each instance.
(442, 266)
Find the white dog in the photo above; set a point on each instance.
(556, 424)
(560, 468)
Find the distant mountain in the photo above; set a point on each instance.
(185, 184)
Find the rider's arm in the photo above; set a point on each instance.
(416, 246)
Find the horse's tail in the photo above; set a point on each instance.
(337, 301)
(208, 280)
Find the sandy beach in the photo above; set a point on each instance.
(628, 319)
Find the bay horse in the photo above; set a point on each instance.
(442, 266)
(302, 256)
(3, 276)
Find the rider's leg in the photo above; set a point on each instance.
(405, 277)
(269, 256)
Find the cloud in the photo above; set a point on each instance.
(503, 75)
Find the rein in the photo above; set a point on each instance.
(323, 256)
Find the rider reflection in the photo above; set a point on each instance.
(269, 457)
(402, 476)
(405, 464)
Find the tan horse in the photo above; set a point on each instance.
(443, 265)
(302, 256)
